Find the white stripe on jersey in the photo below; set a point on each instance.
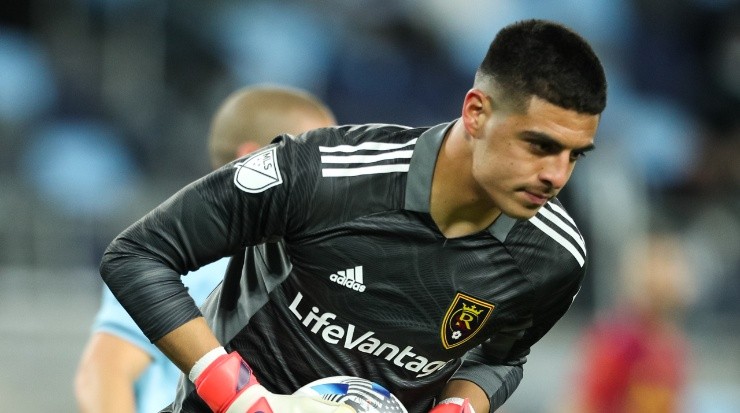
(559, 238)
(391, 153)
(365, 170)
(561, 211)
(373, 146)
(565, 227)
(366, 158)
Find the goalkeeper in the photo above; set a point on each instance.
(427, 259)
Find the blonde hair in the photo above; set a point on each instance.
(258, 114)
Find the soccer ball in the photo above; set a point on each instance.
(363, 395)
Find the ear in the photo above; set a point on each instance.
(246, 148)
(476, 108)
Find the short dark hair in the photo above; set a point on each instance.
(548, 60)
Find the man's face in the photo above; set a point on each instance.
(521, 160)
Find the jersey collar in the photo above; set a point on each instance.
(421, 170)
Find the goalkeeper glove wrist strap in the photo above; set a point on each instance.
(456, 404)
(204, 362)
(222, 381)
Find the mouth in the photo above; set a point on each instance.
(536, 198)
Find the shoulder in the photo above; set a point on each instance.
(549, 243)
(349, 171)
(347, 138)
(560, 232)
(346, 144)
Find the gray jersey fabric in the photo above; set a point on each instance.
(355, 278)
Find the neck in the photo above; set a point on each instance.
(458, 206)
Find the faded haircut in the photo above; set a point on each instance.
(547, 60)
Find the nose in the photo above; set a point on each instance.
(556, 170)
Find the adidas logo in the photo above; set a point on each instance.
(350, 278)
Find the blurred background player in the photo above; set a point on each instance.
(634, 358)
(120, 370)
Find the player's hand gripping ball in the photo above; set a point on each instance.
(363, 395)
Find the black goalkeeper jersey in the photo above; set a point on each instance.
(356, 278)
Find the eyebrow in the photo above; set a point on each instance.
(543, 137)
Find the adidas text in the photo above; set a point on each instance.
(350, 278)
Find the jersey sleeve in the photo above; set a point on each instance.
(241, 204)
(113, 319)
(498, 378)
(497, 365)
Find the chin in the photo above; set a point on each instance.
(523, 216)
(522, 212)
(517, 204)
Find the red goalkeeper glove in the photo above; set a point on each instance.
(453, 405)
(227, 385)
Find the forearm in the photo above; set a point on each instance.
(467, 390)
(106, 374)
(188, 343)
(144, 264)
(102, 392)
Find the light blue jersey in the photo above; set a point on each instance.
(156, 386)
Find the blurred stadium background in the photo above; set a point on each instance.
(105, 104)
